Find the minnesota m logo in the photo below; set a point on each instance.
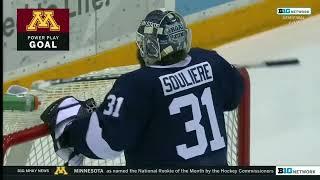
(61, 171)
(43, 19)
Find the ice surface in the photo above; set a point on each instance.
(285, 101)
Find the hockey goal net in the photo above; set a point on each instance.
(27, 140)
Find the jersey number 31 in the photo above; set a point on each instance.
(194, 124)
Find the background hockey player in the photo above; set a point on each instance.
(168, 112)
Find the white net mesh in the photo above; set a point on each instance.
(40, 152)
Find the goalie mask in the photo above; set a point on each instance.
(162, 33)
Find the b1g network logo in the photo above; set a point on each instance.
(294, 11)
(43, 29)
(298, 170)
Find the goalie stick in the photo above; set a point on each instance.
(274, 63)
(41, 84)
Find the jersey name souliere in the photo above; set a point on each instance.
(186, 78)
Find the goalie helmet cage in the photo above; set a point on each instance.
(238, 132)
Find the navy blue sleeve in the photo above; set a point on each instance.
(124, 113)
(117, 123)
(230, 81)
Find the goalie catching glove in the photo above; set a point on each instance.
(59, 115)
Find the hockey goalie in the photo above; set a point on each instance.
(168, 112)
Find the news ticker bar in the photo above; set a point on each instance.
(122, 170)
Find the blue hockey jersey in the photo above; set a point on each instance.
(165, 115)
